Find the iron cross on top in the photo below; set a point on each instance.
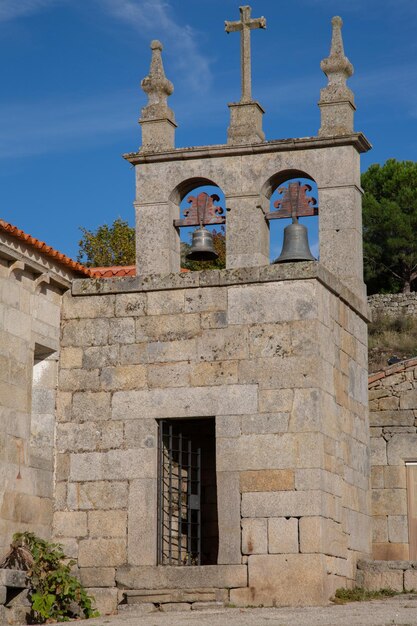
(245, 25)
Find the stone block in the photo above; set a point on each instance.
(391, 418)
(306, 414)
(98, 495)
(228, 426)
(228, 511)
(77, 380)
(71, 357)
(13, 578)
(377, 477)
(131, 304)
(380, 529)
(141, 433)
(186, 402)
(167, 327)
(390, 403)
(70, 524)
(97, 576)
(374, 581)
(105, 600)
(265, 423)
(285, 373)
(122, 330)
(91, 407)
(272, 302)
(77, 437)
(302, 585)
(378, 451)
(325, 536)
(270, 340)
(175, 607)
(113, 465)
(214, 373)
(206, 300)
(410, 580)
(254, 536)
(397, 529)
(282, 504)
(107, 524)
(164, 352)
(161, 577)
(389, 502)
(87, 307)
(408, 399)
(3, 595)
(390, 551)
(102, 552)
(394, 477)
(132, 354)
(85, 332)
(230, 343)
(167, 302)
(275, 400)
(142, 522)
(401, 447)
(283, 535)
(169, 375)
(267, 480)
(123, 377)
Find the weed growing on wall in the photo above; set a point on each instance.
(55, 593)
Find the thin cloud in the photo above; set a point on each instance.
(13, 9)
(43, 127)
(152, 18)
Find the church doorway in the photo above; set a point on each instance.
(187, 495)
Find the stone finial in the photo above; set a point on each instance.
(158, 120)
(336, 99)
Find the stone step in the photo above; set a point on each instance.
(173, 596)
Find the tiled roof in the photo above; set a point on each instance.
(59, 257)
(115, 270)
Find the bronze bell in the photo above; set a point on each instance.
(202, 248)
(295, 246)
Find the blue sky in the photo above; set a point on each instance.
(70, 95)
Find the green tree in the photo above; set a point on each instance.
(108, 245)
(390, 226)
(219, 244)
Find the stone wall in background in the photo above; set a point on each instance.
(393, 421)
(393, 304)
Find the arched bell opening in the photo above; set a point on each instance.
(293, 217)
(201, 224)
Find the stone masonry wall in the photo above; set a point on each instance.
(393, 304)
(278, 357)
(29, 339)
(393, 412)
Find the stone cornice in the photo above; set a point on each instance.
(308, 270)
(357, 140)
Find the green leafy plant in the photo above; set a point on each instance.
(55, 593)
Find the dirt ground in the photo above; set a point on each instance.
(396, 611)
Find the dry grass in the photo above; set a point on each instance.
(391, 336)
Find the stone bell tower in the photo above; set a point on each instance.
(222, 415)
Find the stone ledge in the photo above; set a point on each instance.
(156, 577)
(358, 140)
(305, 270)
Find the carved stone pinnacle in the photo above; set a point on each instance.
(337, 66)
(157, 87)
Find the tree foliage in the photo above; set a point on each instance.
(107, 245)
(219, 244)
(390, 226)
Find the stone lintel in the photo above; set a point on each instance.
(357, 140)
(306, 270)
(245, 123)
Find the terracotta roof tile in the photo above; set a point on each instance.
(117, 270)
(59, 257)
(392, 369)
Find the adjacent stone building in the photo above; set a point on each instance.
(212, 435)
